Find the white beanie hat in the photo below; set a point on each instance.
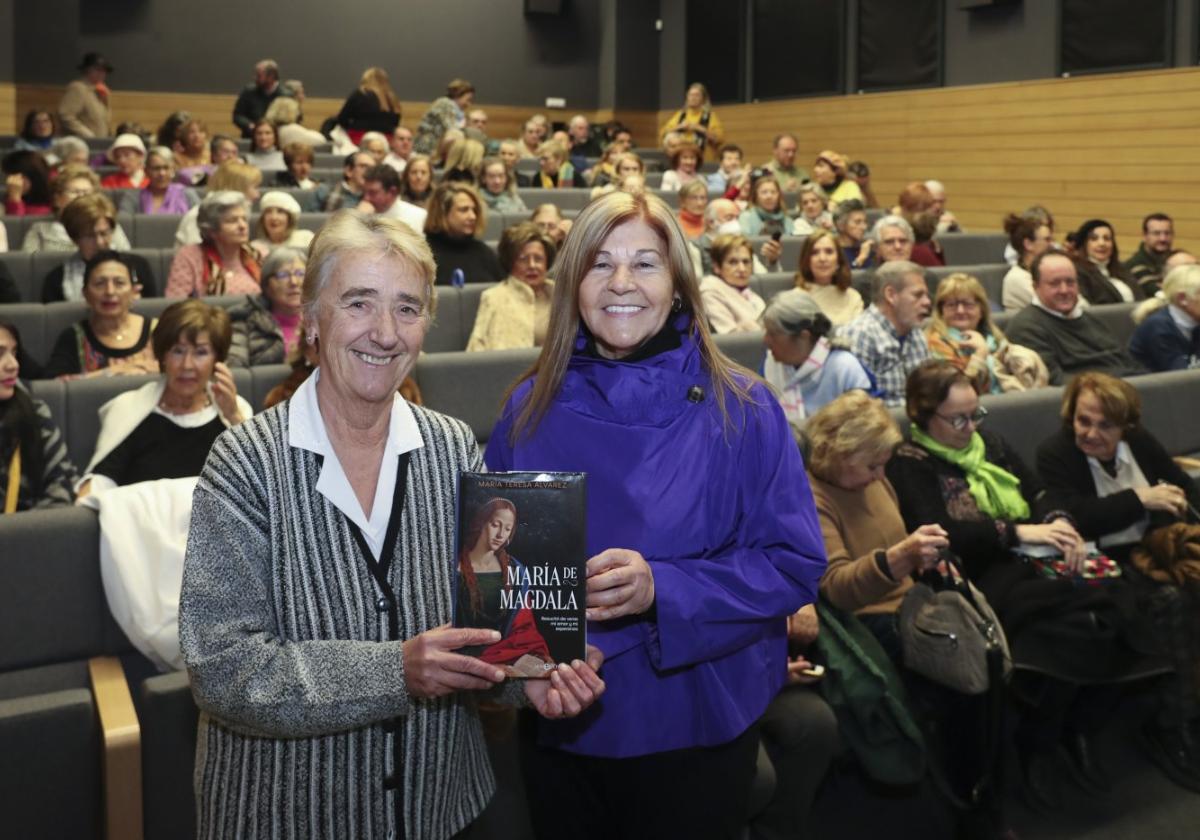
(282, 201)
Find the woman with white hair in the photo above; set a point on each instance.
(284, 113)
(266, 328)
(223, 263)
(1168, 335)
(279, 213)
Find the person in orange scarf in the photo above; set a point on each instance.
(84, 109)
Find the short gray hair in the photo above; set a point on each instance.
(161, 152)
(893, 274)
(890, 221)
(215, 205)
(845, 208)
(64, 146)
(278, 258)
(793, 311)
(710, 212)
(935, 186)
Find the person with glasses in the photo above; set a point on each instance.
(162, 195)
(1069, 643)
(73, 181)
(91, 224)
(266, 327)
(961, 331)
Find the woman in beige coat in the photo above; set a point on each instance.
(84, 110)
(516, 312)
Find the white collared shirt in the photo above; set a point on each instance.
(1129, 476)
(1184, 321)
(306, 430)
(1080, 305)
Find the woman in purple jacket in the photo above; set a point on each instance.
(701, 529)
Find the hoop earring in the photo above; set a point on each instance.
(677, 305)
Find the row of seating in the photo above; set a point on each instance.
(102, 144)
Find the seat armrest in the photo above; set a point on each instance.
(122, 737)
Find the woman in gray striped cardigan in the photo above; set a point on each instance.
(317, 589)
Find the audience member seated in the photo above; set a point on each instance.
(381, 196)
(531, 140)
(400, 148)
(516, 313)
(685, 165)
(825, 275)
(349, 193)
(730, 169)
(1168, 335)
(556, 170)
(829, 172)
(1146, 267)
(84, 107)
(445, 113)
(605, 170)
(223, 263)
(1042, 216)
(767, 214)
(916, 207)
(582, 143)
(805, 365)
(550, 221)
(284, 114)
(264, 151)
(111, 340)
(464, 162)
(91, 223)
(696, 123)
(223, 149)
(193, 152)
(813, 215)
(1125, 492)
(372, 106)
(231, 175)
(26, 184)
(38, 133)
(416, 182)
(1028, 236)
(254, 100)
(70, 151)
(165, 428)
(730, 305)
(266, 328)
(628, 163)
(946, 221)
(277, 224)
(128, 154)
(693, 200)
(782, 165)
(161, 195)
(887, 338)
(1102, 276)
(375, 143)
(722, 216)
(850, 221)
(1058, 328)
(31, 447)
(456, 221)
(1067, 641)
(961, 332)
(73, 182)
(499, 187)
(861, 173)
(893, 239)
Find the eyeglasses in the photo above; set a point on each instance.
(959, 422)
(284, 276)
(967, 303)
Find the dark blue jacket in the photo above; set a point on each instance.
(1159, 344)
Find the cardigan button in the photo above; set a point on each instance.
(382, 605)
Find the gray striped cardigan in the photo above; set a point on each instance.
(289, 658)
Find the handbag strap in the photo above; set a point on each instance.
(14, 481)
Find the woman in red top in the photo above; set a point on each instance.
(26, 184)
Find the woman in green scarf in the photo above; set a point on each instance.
(1070, 644)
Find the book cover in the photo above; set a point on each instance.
(521, 567)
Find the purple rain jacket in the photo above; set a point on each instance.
(725, 519)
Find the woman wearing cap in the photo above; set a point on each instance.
(266, 328)
(829, 171)
(223, 263)
(277, 221)
(161, 195)
(84, 110)
(91, 223)
(128, 152)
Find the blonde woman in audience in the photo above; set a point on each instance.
(1028, 236)
(455, 222)
(464, 162)
(264, 151)
(191, 145)
(416, 181)
(696, 123)
(628, 163)
(556, 171)
(223, 263)
(961, 331)
(825, 275)
(284, 113)
(73, 182)
(372, 106)
(232, 175)
(605, 170)
(509, 151)
(693, 200)
(1168, 332)
(812, 203)
(279, 215)
(767, 214)
(499, 187)
(729, 303)
(685, 166)
(516, 313)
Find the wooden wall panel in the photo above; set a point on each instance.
(9, 122)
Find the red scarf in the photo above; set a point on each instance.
(102, 91)
(214, 269)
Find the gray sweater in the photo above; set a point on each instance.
(289, 659)
(1070, 345)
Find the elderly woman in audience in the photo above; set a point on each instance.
(192, 154)
(516, 313)
(35, 469)
(805, 364)
(829, 172)
(729, 303)
(464, 161)
(50, 234)
(824, 273)
(266, 327)
(455, 222)
(284, 114)
(694, 612)
(26, 184)
(961, 331)
(372, 106)
(165, 428)
(90, 222)
(1168, 332)
(299, 159)
(693, 200)
(416, 181)
(685, 167)
(1126, 492)
(918, 208)
(279, 214)
(892, 238)
(696, 123)
(445, 113)
(556, 171)
(850, 221)
(1103, 278)
(264, 148)
(161, 195)
(128, 154)
(375, 143)
(231, 175)
(1028, 236)
(111, 340)
(767, 214)
(382, 681)
(38, 133)
(814, 216)
(498, 187)
(223, 263)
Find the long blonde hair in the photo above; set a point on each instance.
(375, 80)
(588, 234)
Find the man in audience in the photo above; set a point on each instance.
(531, 139)
(730, 169)
(1067, 337)
(381, 196)
(721, 216)
(946, 221)
(401, 148)
(254, 99)
(622, 140)
(223, 148)
(1147, 265)
(84, 110)
(349, 193)
(783, 164)
(583, 144)
(375, 144)
(887, 338)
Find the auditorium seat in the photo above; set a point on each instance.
(154, 231)
(973, 248)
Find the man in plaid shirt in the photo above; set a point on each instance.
(887, 337)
